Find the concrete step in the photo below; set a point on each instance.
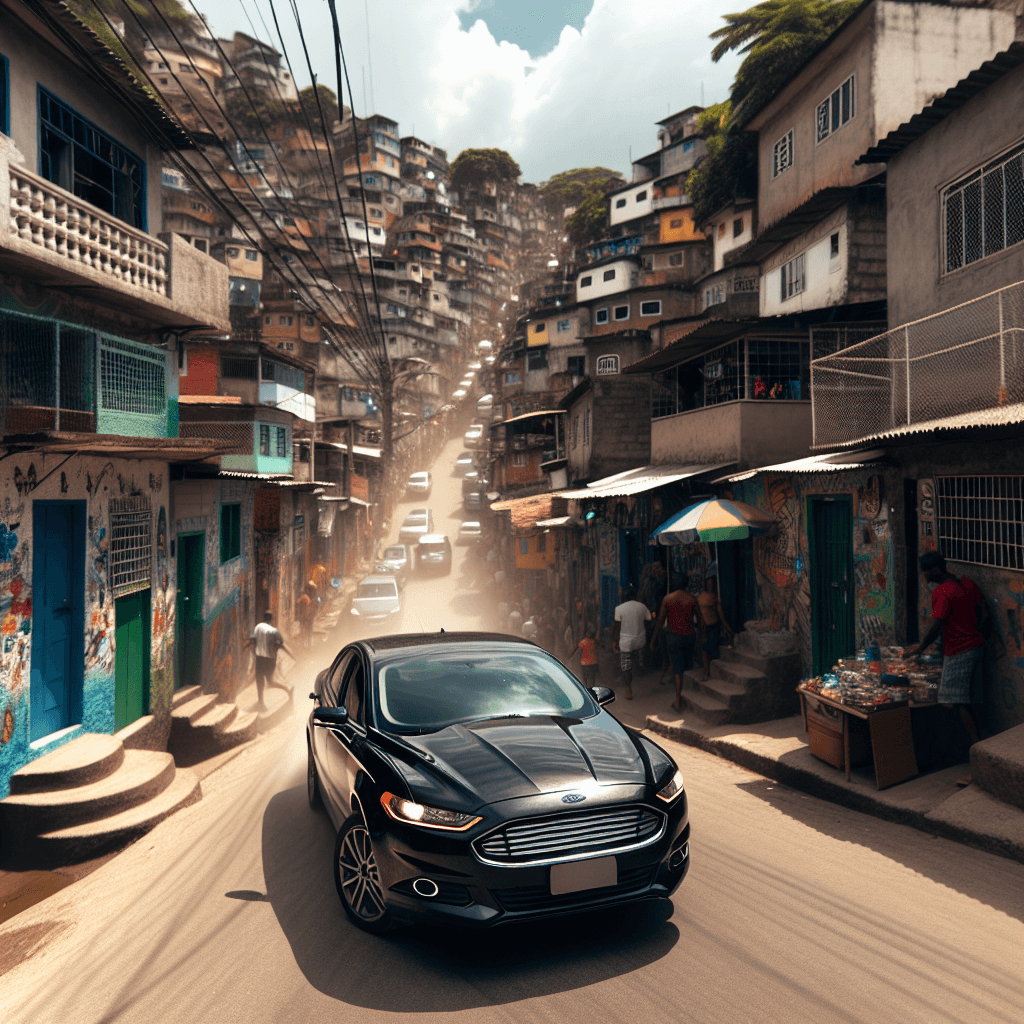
(740, 655)
(87, 759)
(707, 708)
(194, 708)
(736, 672)
(215, 719)
(243, 727)
(729, 693)
(186, 693)
(142, 775)
(95, 838)
(997, 766)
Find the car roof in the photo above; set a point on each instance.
(433, 538)
(420, 472)
(377, 577)
(417, 513)
(469, 522)
(401, 641)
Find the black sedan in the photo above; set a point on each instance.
(474, 781)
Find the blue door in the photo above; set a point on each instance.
(58, 583)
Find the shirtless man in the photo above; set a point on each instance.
(712, 616)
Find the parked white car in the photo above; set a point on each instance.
(420, 483)
(377, 602)
(469, 532)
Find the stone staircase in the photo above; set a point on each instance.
(753, 681)
(202, 725)
(87, 798)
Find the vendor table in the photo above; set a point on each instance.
(886, 737)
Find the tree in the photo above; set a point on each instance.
(473, 167)
(777, 36)
(729, 171)
(587, 222)
(572, 188)
(328, 103)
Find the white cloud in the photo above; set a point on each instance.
(588, 101)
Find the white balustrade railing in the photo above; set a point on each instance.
(45, 215)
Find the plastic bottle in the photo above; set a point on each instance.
(874, 658)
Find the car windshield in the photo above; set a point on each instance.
(371, 591)
(418, 478)
(415, 519)
(470, 527)
(429, 693)
(395, 554)
(431, 548)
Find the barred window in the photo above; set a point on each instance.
(238, 368)
(281, 373)
(131, 545)
(835, 110)
(791, 278)
(983, 213)
(607, 365)
(230, 531)
(981, 519)
(282, 442)
(782, 154)
(264, 439)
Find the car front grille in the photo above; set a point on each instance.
(570, 836)
(538, 897)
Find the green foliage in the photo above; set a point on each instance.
(571, 188)
(587, 223)
(728, 171)
(328, 103)
(777, 36)
(473, 167)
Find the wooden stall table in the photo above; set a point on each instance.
(884, 737)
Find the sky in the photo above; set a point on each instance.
(557, 83)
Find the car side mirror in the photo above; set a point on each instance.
(602, 695)
(330, 718)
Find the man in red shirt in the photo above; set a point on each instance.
(679, 608)
(960, 615)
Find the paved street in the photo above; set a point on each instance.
(794, 910)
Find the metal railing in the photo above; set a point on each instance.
(959, 362)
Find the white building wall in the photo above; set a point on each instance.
(626, 276)
(633, 205)
(825, 276)
(727, 242)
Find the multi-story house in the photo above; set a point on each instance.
(95, 309)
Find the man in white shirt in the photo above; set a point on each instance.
(629, 634)
(267, 641)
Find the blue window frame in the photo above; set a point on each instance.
(79, 157)
(5, 96)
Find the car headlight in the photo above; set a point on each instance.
(355, 611)
(672, 789)
(426, 817)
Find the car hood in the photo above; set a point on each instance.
(376, 605)
(511, 758)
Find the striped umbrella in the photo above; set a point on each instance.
(715, 519)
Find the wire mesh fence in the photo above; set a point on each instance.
(962, 361)
(238, 435)
(131, 545)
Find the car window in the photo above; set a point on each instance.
(375, 590)
(428, 693)
(432, 546)
(354, 692)
(332, 682)
(397, 552)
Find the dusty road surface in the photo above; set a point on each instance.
(794, 910)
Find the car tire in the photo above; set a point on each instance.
(357, 880)
(313, 795)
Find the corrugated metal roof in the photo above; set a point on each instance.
(636, 481)
(527, 415)
(812, 464)
(526, 512)
(1000, 416)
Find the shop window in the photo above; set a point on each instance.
(77, 156)
(979, 519)
(607, 365)
(230, 532)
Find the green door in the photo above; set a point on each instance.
(190, 609)
(131, 658)
(832, 612)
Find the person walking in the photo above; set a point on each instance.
(679, 611)
(960, 616)
(651, 593)
(629, 634)
(267, 641)
(515, 621)
(305, 611)
(587, 650)
(712, 617)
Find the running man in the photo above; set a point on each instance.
(267, 641)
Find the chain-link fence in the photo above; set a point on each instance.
(239, 436)
(964, 360)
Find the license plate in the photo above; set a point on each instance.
(583, 874)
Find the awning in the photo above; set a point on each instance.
(559, 523)
(159, 449)
(636, 481)
(352, 501)
(238, 474)
(358, 449)
(527, 416)
(813, 464)
(527, 512)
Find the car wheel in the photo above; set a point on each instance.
(316, 801)
(357, 879)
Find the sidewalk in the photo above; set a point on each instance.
(778, 750)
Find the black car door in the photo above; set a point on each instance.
(323, 737)
(346, 743)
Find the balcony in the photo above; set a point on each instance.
(670, 202)
(61, 241)
(959, 368)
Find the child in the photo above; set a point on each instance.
(587, 650)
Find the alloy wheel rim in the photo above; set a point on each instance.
(360, 881)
